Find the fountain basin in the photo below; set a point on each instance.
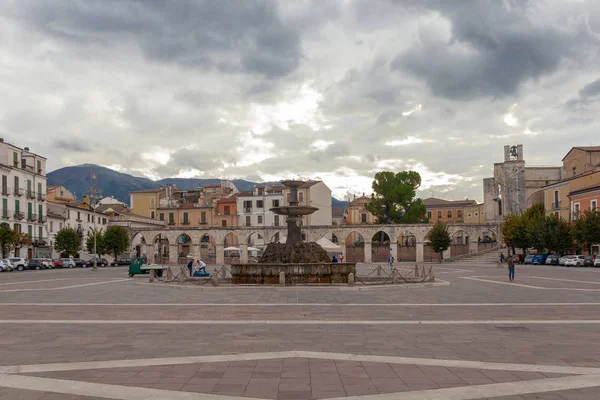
(294, 210)
(268, 274)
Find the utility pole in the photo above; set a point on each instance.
(93, 195)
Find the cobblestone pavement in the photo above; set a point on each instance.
(82, 334)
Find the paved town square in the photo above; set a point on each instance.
(80, 334)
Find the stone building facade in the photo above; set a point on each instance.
(514, 186)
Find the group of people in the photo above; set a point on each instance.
(335, 259)
(197, 265)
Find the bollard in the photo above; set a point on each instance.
(379, 270)
(431, 275)
(215, 278)
(350, 279)
(416, 271)
(151, 274)
(394, 276)
(282, 278)
(182, 273)
(224, 272)
(423, 274)
(169, 274)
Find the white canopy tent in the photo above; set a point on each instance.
(329, 246)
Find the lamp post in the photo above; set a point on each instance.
(93, 196)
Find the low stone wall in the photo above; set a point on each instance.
(268, 274)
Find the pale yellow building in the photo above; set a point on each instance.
(580, 160)
(147, 202)
(474, 214)
(556, 196)
(357, 212)
(59, 194)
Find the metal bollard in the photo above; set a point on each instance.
(215, 278)
(379, 270)
(169, 274)
(394, 276)
(350, 279)
(182, 274)
(282, 278)
(416, 271)
(151, 275)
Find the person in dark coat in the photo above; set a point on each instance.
(334, 260)
(190, 266)
(511, 269)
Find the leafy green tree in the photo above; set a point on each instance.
(116, 240)
(536, 210)
(514, 231)
(8, 238)
(67, 241)
(563, 235)
(586, 230)
(100, 247)
(537, 232)
(393, 200)
(439, 236)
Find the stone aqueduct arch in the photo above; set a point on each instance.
(312, 232)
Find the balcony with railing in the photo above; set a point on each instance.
(41, 196)
(6, 190)
(556, 205)
(42, 219)
(39, 241)
(18, 192)
(248, 210)
(6, 214)
(30, 194)
(31, 217)
(202, 221)
(185, 222)
(171, 222)
(19, 214)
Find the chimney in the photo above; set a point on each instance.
(26, 148)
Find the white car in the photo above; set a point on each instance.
(3, 267)
(67, 263)
(575, 261)
(597, 261)
(563, 259)
(19, 263)
(8, 264)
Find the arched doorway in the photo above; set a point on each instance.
(407, 246)
(460, 243)
(231, 249)
(138, 246)
(429, 253)
(355, 247)
(208, 249)
(256, 246)
(380, 247)
(161, 249)
(184, 249)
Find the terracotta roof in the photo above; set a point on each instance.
(230, 199)
(114, 207)
(212, 185)
(584, 190)
(433, 202)
(582, 148)
(155, 190)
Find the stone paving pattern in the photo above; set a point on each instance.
(560, 344)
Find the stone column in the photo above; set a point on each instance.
(244, 255)
(368, 255)
(173, 253)
(394, 246)
(196, 250)
(419, 251)
(220, 253)
(150, 253)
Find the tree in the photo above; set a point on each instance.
(100, 247)
(514, 231)
(8, 238)
(439, 236)
(393, 200)
(563, 236)
(537, 233)
(67, 241)
(116, 240)
(586, 230)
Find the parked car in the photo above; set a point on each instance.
(57, 263)
(588, 261)
(528, 259)
(597, 262)
(563, 259)
(79, 262)
(100, 262)
(67, 263)
(122, 261)
(575, 261)
(552, 259)
(19, 263)
(517, 259)
(539, 259)
(9, 265)
(3, 267)
(36, 263)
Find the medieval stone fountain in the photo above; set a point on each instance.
(300, 262)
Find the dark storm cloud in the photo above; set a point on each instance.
(492, 50)
(230, 36)
(73, 144)
(588, 94)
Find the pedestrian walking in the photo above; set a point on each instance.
(391, 261)
(511, 269)
(190, 266)
(501, 258)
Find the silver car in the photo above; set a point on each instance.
(8, 265)
(19, 263)
(67, 263)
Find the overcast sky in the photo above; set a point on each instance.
(264, 90)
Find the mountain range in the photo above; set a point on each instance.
(109, 182)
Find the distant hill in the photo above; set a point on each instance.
(118, 185)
